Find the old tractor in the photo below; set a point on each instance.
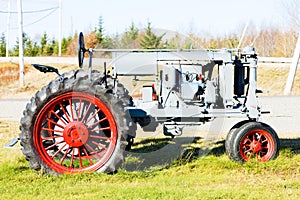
(85, 120)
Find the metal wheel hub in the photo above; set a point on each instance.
(256, 146)
(76, 134)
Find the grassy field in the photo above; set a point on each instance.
(212, 176)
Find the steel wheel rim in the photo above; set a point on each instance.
(257, 144)
(75, 132)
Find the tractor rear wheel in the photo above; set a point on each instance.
(76, 125)
(253, 140)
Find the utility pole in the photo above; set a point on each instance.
(59, 27)
(21, 50)
(7, 28)
(293, 68)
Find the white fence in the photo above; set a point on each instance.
(100, 61)
(53, 60)
(274, 60)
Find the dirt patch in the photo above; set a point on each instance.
(10, 73)
(34, 81)
(271, 79)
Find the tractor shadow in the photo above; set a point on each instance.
(160, 152)
(153, 153)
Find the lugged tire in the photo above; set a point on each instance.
(253, 140)
(48, 120)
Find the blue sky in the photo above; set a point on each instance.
(214, 17)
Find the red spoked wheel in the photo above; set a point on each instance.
(76, 125)
(75, 132)
(253, 141)
(258, 144)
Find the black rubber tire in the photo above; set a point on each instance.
(236, 138)
(228, 148)
(79, 81)
(230, 136)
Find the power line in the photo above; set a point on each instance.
(30, 12)
(36, 20)
(40, 18)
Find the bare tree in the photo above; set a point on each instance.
(292, 10)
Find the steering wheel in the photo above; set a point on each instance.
(81, 49)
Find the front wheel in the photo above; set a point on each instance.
(253, 140)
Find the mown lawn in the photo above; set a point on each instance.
(212, 176)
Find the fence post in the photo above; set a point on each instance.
(293, 68)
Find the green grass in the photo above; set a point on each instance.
(209, 177)
(212, 176)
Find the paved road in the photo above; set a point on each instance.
(12, 109)
(285, 114)
(284, 117)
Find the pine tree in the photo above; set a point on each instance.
(64, 44)
(2, 46)
(15, 51)
(150, 40)
(100, 30)
(43, 44)
(130, 36)
(104, 41)
(30, 47)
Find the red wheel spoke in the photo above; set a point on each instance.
(99, 145)
(100, 137)
(247, 140)
(59, 118)
(267, 148)
(92, 116)
(64, 157)
(92, 150)
(59, 150)
(79, 156)
(247, 145)
(251, 153)
(78, 114)
(53, 145)
(52, 130)
(65, 113)
(86, 112)
(258, 157)
(72, 157)
(71, 109)
(52, 137)
(264, 141)
(53, 122)
(87, 156)
(100, 129)
(98, 122)
(249, 150)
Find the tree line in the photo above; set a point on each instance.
(45, 47)
(269, 41)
